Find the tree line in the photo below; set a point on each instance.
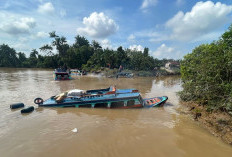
(207, 74)
(82, 54)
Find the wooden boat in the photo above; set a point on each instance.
(101, 98)
(75, 72)
(155, 101)
(60, 74)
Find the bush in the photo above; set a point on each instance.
(207, 74)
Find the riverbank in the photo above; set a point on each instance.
(134, 73)
(217, 122)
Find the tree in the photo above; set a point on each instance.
(85, 52)
(33, 60)
(47, 49)
(80, 41)
(110, 59)
(145, 51)
(22, 59)
(226, 37)
(60, 43)
(8, 56)
(96, 46)
(73, 58)
(53, 34)
(120, 57)
(207, 75)
(34, 53)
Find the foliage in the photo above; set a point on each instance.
(80, 41)
(60, 43)
(47, 49)
(8, 56)
(207, 74)
(81, 55)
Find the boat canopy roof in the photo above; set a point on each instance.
(75, 92)
(74, 70)
(70, 93)
(107, 91)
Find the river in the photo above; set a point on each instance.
(154, 132)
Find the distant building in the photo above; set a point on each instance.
(170, 65)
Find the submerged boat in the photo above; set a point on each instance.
(101, 98)
(75, 72)
(60, 74)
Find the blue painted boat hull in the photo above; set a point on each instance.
(155, 101)
(104, 98)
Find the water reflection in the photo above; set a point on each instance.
(168, 81)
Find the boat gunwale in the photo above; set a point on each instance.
(86, 102)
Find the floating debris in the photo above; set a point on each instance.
(74, 130)
(16, 105)
(28, 110)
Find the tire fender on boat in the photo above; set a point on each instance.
(16, 105)
(28, 110)
(38, 101)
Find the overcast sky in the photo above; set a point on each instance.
(169, 28)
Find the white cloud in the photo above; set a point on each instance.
(136, 48)
(131, 38)
(205, 37)
(157, 36)
(62, 13)
(98, 25)
(150, 35)
(148, 3)
(23, 39)
(204, 18)
(164, 52)
(106, 44)
(15, 24)
(180, 2)
(21, 47)
(158, 39)
(12, 3)
(46, 8)
(42, 34)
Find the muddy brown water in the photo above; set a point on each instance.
(46, 132)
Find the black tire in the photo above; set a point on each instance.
(38, 101)
(28, 110)
(17, 105)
